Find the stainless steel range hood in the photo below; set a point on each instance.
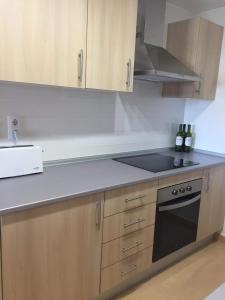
(152, 61)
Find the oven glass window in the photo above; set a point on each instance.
(176, 225)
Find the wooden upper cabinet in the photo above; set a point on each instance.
(54, 251)
(197, 43)
(212, 210)
(43, 41)
(111, 44)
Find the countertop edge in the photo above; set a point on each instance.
(55, 200)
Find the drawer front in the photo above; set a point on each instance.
(119, 272)
(126, 246)
(123, 199)
(129, 221)
(172, 180)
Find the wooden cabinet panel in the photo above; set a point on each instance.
(127, 245)
(41, 41)
(212, 210)
(111, 44)
(133, 265)
(189, 41)
(129, 221)
(53, 252)
(172, 180)
(129, 197)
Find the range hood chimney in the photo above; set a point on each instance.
(152, 61)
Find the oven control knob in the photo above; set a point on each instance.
(174, 192)
(182, 190)
(189, 188)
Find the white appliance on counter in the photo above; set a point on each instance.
(20, 160)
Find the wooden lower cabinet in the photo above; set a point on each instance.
(212, 210)
(129, 221)
(69, 250)
(125, 246)
(129, 197)
(53, 252)
(127, 268)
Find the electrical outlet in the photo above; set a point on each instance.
(13, 127)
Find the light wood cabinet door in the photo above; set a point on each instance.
(212, 209)
(189, 42)
(111, 44)
(53, 252)
(43, 41)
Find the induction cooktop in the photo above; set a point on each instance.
(156, 162)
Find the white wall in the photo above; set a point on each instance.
(209, 117)
(70, 123)
(73, 123)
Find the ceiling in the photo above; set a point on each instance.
(197, 6)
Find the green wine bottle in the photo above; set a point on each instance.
(179, 140)
(184, 135)
(188, 140)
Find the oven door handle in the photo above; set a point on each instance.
(180, 205)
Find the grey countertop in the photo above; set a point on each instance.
(62, 182)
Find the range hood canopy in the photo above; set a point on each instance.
(152, 61)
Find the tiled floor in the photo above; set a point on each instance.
(194, 278)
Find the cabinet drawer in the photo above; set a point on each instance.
(129, 221)
(129, 267)
(126, 198)
(127, 245)
(172, 180)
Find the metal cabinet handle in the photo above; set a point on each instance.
(137, 244)
(179, 205)
(128, 82)
(81, 65)
(208, 182)
(133, 268)
(198, 90)
(133, 199)
(98, 214)
(138, 221)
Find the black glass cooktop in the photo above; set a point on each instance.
(155, 162)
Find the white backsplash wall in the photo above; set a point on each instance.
(70, 123)
(208, 117)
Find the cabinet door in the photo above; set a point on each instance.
(53, 252)
(212, 210)
(189, 41)
(43, 41)
(111, 44)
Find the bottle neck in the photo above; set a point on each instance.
(189, 128)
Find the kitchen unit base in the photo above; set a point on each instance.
(156, 268)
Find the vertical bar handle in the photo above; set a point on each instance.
(81, 65)
(128, 82)
(98, 214)
(208, 182)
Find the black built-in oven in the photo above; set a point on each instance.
(177, 216)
